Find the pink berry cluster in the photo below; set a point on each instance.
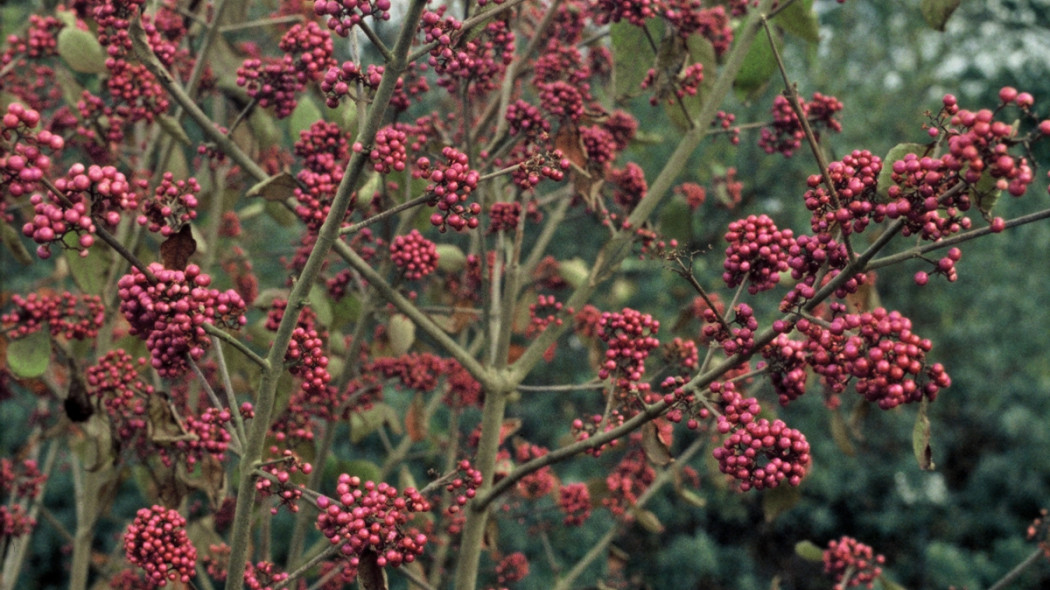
(95, 192)
(929, 197)
(574, 499)
(630, 335)
(156, 541)
(450, 185)
(19, 482)
(855, 178)
(526, 119)
(114, 19)
(281, 470)
(691, 16)
(339, 80)
(310, 48)
(737, 335)
(757, 453)
(543, 313)
(636, 13)
(272, 82)
(306, 356)
(74, 317)
(114, 381)
(173, 204)
(808, 259)
(512, 568)
(343, 15)
(170, 313)
(694, 194)
(389, 154)
(504, 216)
(262, 575)
(23, 162)
(370, 517)
(478, 61)
(758, 252)
(631, 186)
(535, 162)
(850, 555)
(945, 267)
(668, 88)
(724, 121)
(206, 435)
(787, 361)
(627, 481)
(461, 489)
(415, 255)
(880, 352)
(538, 483)
(785, 134)
(978, 143)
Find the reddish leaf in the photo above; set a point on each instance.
(175, 252)
(370, 574)
(656, 449)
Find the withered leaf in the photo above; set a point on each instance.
(175, 252)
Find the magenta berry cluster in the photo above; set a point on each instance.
(157, 542)
(850, 555)
(880, 352)
(543, 313)
(504, 217)
(785, 134)
(343, 15)
(756, 453)
(512, 568)
(20, 482)
(415, 255)
(758, 252)
(787, 360)
(389, 154)
(306, 355)
(808, 259)
(114, 381)
(279, 483)
(631, 186)
(450, 185)
(461, 489)
(74, 317)
(671, 89)
(338, 81)
(574, 499)
(853, 204)
(538, 483)
(173, 204)
(636, 13)
(736, 335)
(629, 335)
(695, 16)
(366, 516)
(627, 481)
(23, 162)
(169, 314)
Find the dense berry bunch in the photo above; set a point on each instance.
(272, 82)
(370, 517)
(928, 196)
(389, 154)
(19, 483)
(878, 350)
(670, 88)
(343, 15)
(114, 380)
(757, 252)
(574, 499)
(170, 314)
(311, 48)
(537, 483)
(512, 568)
(338, 81)
(785, 134)
(630, 336)
(22, 161)
(207, 435)
(156, 541)
(415, 255)
(504, 216)
(808, 259)
(757, 453)
(627, 481)
(526, 119)
(849, 555)
(855, 178)
(737, 335)
(450, 185)
(323, 148)
(787, 362)
(306, 357)
(630, 183)
(690, 16)
(636, 13)
(279, 484)
(114, 19)
(478, 62)
(543, 313)
(134, 94)
(535, 162)
(74, 317)
(693, 193)
(174, 203)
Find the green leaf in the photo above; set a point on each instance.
(366, 470)
(692, 498)
(402, 333)
(305, 114)
(81, 50)
(920, 438)
(676, 221)
(937, 12)
(631, 55)
(800, 20)
(89, 272)
(9, 235)
(647, 519)
(450, 258)
(888, 584)
(321, 304)
(758, 67)
(574, 271)
(896, 153)
(365, 423)
(28, 357)
(173, 128)
(278, 187)
(985, 193)
(809, 551)
(279, 213)
(779, 500)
